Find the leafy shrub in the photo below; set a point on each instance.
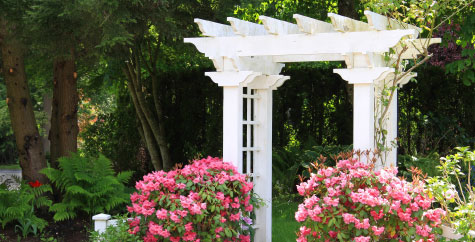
(425, 163)
(350, 202)
(289, 162)
(454, 192)
(207, 200)
(119, 232)
(19, 206)
(87, 185)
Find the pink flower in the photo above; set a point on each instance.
(249, 208)
(301, 214)
(189, 236)
(364, 225)
(311, 201)
(331, 202)
(220, 196)
(175, 239)
(301, 239)
(244, 238)
(348, 218)
(435, 215)
(362, 239)
(304, 231)
(313, 213)
(189, 226)
(174, 217)
(218, 230)
(404, 216)
(149, 237)
(162, 214)
(423, 231)
(377, 216)
(377, 231)
(235, 217)
(158, 229)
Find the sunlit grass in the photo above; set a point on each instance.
(10, 167)
(284, 225)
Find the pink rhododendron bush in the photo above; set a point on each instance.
(207, 200)
(350, 202)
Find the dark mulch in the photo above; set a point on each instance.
(67, 231)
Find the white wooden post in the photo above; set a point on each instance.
(363, 80)
(232, 83)
(363, 116)
(232, 125)
(391, 159)
(263, 164)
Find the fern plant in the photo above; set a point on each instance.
(88, 185)
(19, 206)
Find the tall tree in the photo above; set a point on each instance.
(29, 144)
(66, 35)
(147, 37)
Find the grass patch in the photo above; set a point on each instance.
(10, 167)
(284, 225)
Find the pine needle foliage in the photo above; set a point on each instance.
(18, 205)
(88, 185)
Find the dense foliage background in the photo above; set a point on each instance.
(312, 109)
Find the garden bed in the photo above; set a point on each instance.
(68, 231)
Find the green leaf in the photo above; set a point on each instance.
(228, 233)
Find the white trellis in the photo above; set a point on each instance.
(248, 58)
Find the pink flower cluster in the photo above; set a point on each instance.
(351, 199)
(207, 200)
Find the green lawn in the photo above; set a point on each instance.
(284, 225)
(10, 167)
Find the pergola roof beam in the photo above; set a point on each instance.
(300, 44)
(415, 47)
(279, 27)
(345, 24)
(381, 22)
(212, 29)
(312, 26)
(245, 28)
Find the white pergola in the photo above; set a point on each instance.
(248, 58)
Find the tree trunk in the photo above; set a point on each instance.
(162, 142)
(145, 127)
(28, 140)
(64, 119)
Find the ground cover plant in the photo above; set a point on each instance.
(351, 202)
(207, 200)
(119, 232)
(18, 206)
(88, 186)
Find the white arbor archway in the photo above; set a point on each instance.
(248, 58)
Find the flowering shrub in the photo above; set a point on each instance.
(350, 202)
(207, 200)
